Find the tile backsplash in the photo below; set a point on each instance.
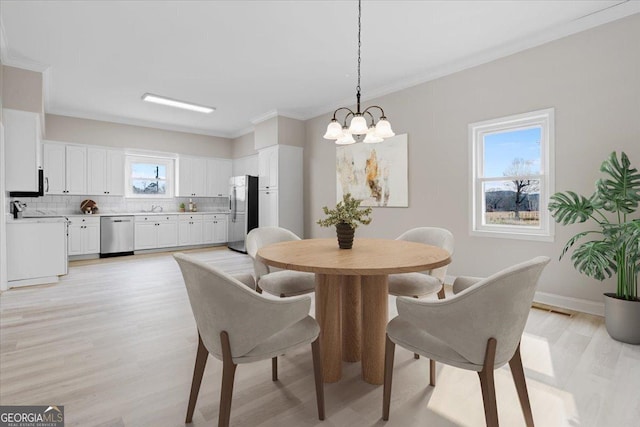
(110, 204)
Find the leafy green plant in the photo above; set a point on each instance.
(181, 206)
(348, 212)
(616, 247)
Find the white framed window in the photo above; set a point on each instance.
(512, 168)
(149, 176)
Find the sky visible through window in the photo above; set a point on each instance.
(501, 148)
(148, 171)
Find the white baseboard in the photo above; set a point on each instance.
(575, 304)
(30, 282)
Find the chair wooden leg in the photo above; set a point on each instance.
(517, 371)
(441, 294)
(432, 372)
(416, 355)
(274, 369)
(228, 374)
(198, 372)
(488, 386)
(389, 352)
(317, 373)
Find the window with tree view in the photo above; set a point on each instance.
(149, 177)
(512, 180)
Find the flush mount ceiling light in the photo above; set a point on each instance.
(157, 99)
(375, 132)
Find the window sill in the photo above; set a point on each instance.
(513, 235)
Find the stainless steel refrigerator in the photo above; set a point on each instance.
(243, 199)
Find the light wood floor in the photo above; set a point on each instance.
(115, 341)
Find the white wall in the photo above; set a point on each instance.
(593, 81)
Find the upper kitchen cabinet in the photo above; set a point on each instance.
(218, 174)
(192, 177)
(246, 166)
(22, 149)
(65, 168)
(268, 168)
(105, 172)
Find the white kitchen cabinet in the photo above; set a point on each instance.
(156, 231)
(280, 196)
(22, 150)
(218, 174)
(268, 168)
(167, 232)
(215, 228)
(38, 251)
(191, 177)
(268, 208)
(247, 165)
(190, 230)
(105, 172)
(65, 168)
(84, 235)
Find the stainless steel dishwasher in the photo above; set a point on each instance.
(116, 236)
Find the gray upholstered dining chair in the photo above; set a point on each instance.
(427, 282)
(478, 329)
(283, 283)
(237, 325)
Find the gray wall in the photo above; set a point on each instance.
(266, 133)
(593, 81)
(22, 89)
(243, 146)
(291, 131)
(84, 131)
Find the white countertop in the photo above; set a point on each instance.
(33, 217)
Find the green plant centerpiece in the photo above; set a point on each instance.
(613, 247)
(346, 217)
(181, 207)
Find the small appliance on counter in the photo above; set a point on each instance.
(17, 209)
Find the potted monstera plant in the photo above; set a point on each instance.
(612, 247)
(346, 217)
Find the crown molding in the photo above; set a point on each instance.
(241, 132)
(133, 122)
(608, 14)
(275, 113)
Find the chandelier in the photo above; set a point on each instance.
(373, 131)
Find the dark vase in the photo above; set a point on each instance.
(345, 235)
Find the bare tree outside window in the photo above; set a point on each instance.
(520, 171)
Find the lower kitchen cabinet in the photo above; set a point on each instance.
(37, 251)
(215, 228)
(190, 230)
(84, 236)
(268, 208)
(156, 231)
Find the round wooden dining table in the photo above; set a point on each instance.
(352, 293)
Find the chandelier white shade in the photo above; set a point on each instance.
(374, 131)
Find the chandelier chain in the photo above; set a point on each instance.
(359, 43)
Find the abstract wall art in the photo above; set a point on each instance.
(376, 174)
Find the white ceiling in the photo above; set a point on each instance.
(250, 58)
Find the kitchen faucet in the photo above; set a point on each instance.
(154, 207)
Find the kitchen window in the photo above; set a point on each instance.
(512, 176)
(149, 177)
